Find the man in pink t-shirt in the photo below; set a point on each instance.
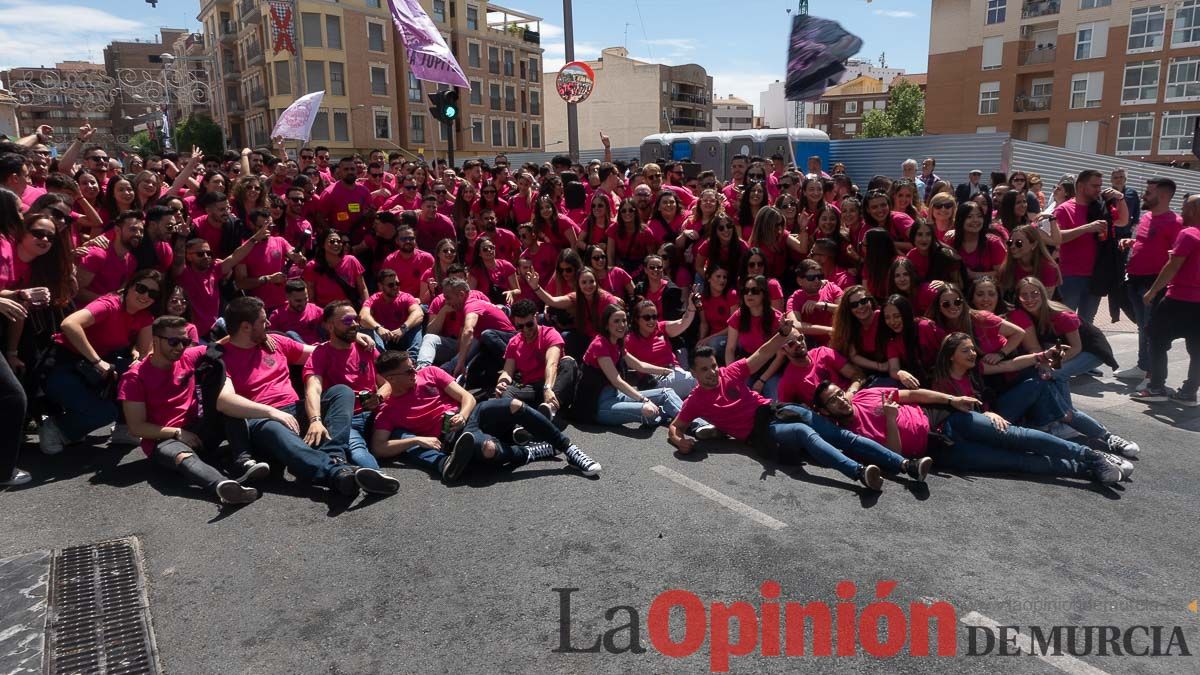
(299, 319)
(395, 317)
(728, 406)
(432, 226)
(1080, 235)
(479, 316)
(345, 204)
(262, 271)
(201, 275)
(408, 261)
(158, 396)
(104, 270)
(259, 371)
(1149, 250)
(807, 368)
(535, 370)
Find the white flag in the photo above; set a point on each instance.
(428, 56)
(296, 122)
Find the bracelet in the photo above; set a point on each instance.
(314, 418)
(547, 387)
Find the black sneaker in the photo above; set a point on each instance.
(870, 476)
(252, 470)
(578, 459)
(521, 435)
(232, 492)
(343, 482)
(1185, 399)
(376, 482)
(460, 456)
(918, 468)
(538, 451)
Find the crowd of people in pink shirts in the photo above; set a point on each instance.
(241, 313)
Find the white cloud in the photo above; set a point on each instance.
(895, 13)
(62, 32)
(550, 30)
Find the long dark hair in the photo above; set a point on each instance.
(729, 257)
(602, 325)
(109, 201)
(53, 269)
(908, 335)
(746, 212)
(941, 375)
(866, 210)
(656, 213)
(880, 252)
(767, 320)
(911, 268)
(1008, 210)
(142, 275)
(846, 328)
(590, 222)
(10, 214)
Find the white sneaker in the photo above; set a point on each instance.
(1143, 385)
(19, 477)
(121, 436)
(50, 437)
(1131, 373)
(1121, 447)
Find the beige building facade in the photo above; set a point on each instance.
(732, 114)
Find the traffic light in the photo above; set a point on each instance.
(445, 105)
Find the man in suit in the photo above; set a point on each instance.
(972, 187)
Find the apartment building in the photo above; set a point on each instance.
(840, 110)
(141, 68)
(53, 109)
(1109, 76)
(348, 50)
(732, 114)
(633, 99)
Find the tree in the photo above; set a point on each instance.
(201, 131)
(143, 145)
(904, 115)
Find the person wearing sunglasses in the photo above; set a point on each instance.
(333, 273)
(997, 338)
(96, 344)
(812, 305)
(535, 370)
(104, 270)
(459, 318)
(582, 301)
(750, 326)
(395, 317)
(649, 340)
(158, 397)
(856, 331)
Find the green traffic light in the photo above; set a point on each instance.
(450, 112)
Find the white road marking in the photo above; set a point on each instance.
(1064, 662)
(722, 499)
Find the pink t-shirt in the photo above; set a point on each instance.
(717, 309)
(266, 258)
(420, 410)
(1061, 323)
(111, 269)
(409, 270)
(262, 376)
(986, 257)
(348, 269)
(557, 236)
(1048, 275)
(8, 274)
(202, 292)
(168, 393)
(799, 383)
(600, 347)
(870, 422)
(304, 323)
(635, 246)
(829, 292)
(1186, 284)
(987, 332)
(529, 356)
(1152, 242)
(920, 260)
(390, 313)
(113, 329)
(1078, 256)
(498, 275)
(616, 281)
(730, 406)
(753, 337)
(453, 322)
(929, 341)
(343, 205)
(491, 317)
(430, 232)
(522, 208)
(654, 350)
(353, 367)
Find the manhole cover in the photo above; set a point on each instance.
(99, 614)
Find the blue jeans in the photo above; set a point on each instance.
(358, 450)
(316, 465)
(980, 446)
(1136, 287)
(436, 349)
(419, 455)
(1077, 366)
(826, 442)
(84, 410)
(409, 342)
(1075, 295)
(494, 420)
(615, 408)
(1032, 401)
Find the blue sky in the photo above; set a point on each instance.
(741, 44)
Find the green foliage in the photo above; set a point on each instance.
(198, 130)
(904, 115)
(142, 144)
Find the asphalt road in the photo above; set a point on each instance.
(460, 579)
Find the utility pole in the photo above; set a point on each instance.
(572, 110)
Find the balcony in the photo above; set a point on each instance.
(1035, 56)
(699, 122)
(689, 98)
(1025, 104)
(257, 97)
(228, 31)
(234, 109)
(250, 12)
(254, 55)
(1036, 8)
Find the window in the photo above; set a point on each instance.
(535, 138)
(533, 69)
(851, 127)
(439, 11)
(1176, 134)
(535, 103)
(989, 98)
(341, 126)
(511, 126)
(996, 9)
(375, 4)
(1082, 136)
(310, 27)
(494, 60)
(508, 63)
(375, 37)
(1146, 28)
(822, 109)
(510, 99)
(993, 51)
(477, 130)
(414, 88)
(337, 79)
(333, 30)
(1183, 81)
(443, 132)
(494, 96)
(383, 123)
(1085, 90)
(379, 81)
(1093, 4)
(314, 76)
(1141, 83)
(1134, 132)
(472, 18)
(1186, 30)
(1091, 40)
(1041, 88)
(476, 92)
(416, 129)
(496, 138)
(851, 106)
(283, 77)
(320, 127)
(473, 55)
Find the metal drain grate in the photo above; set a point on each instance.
(99, 620)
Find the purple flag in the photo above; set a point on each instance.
(428, 56)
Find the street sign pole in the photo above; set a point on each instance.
(572, 108)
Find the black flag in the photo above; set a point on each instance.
(817, 53)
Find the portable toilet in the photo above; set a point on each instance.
(709, 151)
(654, 147)
(810, 142)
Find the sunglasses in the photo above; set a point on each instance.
(599, 257)
(942, 206)
(528, 324)
(628, 210)
(334, 242)
(488, 249)
(1016, 243)
(203, 254)
(296, 200)
(406, 238)
(946, 304)
(307, 158)
(378, 175)
(649, 317)
(654, 268)
(724, 228)
(145, 290)
(44, 235)
(392, 284)
(176, 342)
(449, 251)
(814, 277)
(752, 290)
(441, 192)
(349, 320)
(862, 302)
(785, 186)
(410, 188)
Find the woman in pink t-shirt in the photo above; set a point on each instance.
(584, 304)
(904, 280)
(719, 300)
(605, 395)
(750, 326)
(776, 245)
(495, 277)
(984, 294)
(877, 212)
(612, 279)
(982, 252)
(334, 274)
(629, 240)
(650, 341)
(852, 224)
(906, 199)
(856, 331)
(912, 342)
(723, 247)
(657, 288)
(594, 228)
(445, 255)
(1028, 256)
(177, 305)
(941, 214)
(754, 264)
(213, 181)
(463, 201)
(247, 195)
(996, 338)
(754, 197)
(879, 251)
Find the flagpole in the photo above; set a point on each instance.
(572, 108)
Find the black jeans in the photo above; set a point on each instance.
(1170, 320)
(12, 421)
(564, 386)
(494, 421)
